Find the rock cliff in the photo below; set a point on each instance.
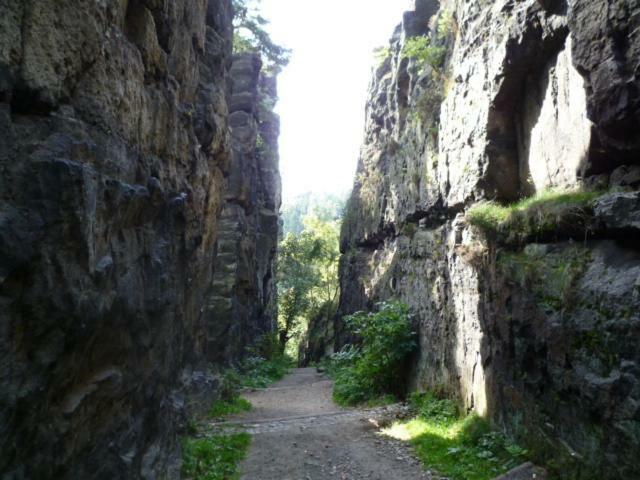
(539, 333)
(243, 304)
(115, 151)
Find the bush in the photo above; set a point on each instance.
(258, 372)
(424, 51)
(377, 369)
(428, 406)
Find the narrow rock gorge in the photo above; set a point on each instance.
(540, 332)
(138, 224)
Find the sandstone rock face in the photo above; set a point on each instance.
(243, 304)
(114, 148)
(541, 337)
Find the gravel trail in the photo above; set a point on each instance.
(299, 433)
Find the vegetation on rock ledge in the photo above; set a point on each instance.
(546, 213)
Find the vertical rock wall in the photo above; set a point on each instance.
(243, 304)
(532, 95)
(114, 148)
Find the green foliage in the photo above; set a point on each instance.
(380, 54)
(214, 457)
(327, 207)
(307, 278)
(250, 36)
(534, 216)
(388, 339)
(264, 364)
(259, 372)
(459, 447)
(446, 24)
(422, 49)
(223, 408)
(435, 409)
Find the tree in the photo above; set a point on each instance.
(250, 36)
(307, 276)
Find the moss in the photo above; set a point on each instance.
(537, 216)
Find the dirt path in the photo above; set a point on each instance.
(300, 434)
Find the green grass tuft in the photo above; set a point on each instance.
(544, 213)
(223, 408)
(460, 447)
(215, 457)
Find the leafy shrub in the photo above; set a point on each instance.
(446, 24)
(340, 360)
(422, 49)
(388, 339)
(215, 457)
(430, 407)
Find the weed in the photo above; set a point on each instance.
(223, 408)
(460, 447)
(214, 457)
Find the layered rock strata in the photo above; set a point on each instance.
(243, 305)
(540, 335)
(114, 148)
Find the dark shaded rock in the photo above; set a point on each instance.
(626, 176)
(526, 471)
(113, 150)
(619, 211)
(243, 304)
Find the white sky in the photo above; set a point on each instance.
(323, 90)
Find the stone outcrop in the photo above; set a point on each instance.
(541, 337)
(114, 151)
(243, 304)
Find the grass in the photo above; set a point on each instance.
(214, 457)
(541, 214)
(223, 408)
(459, 447)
